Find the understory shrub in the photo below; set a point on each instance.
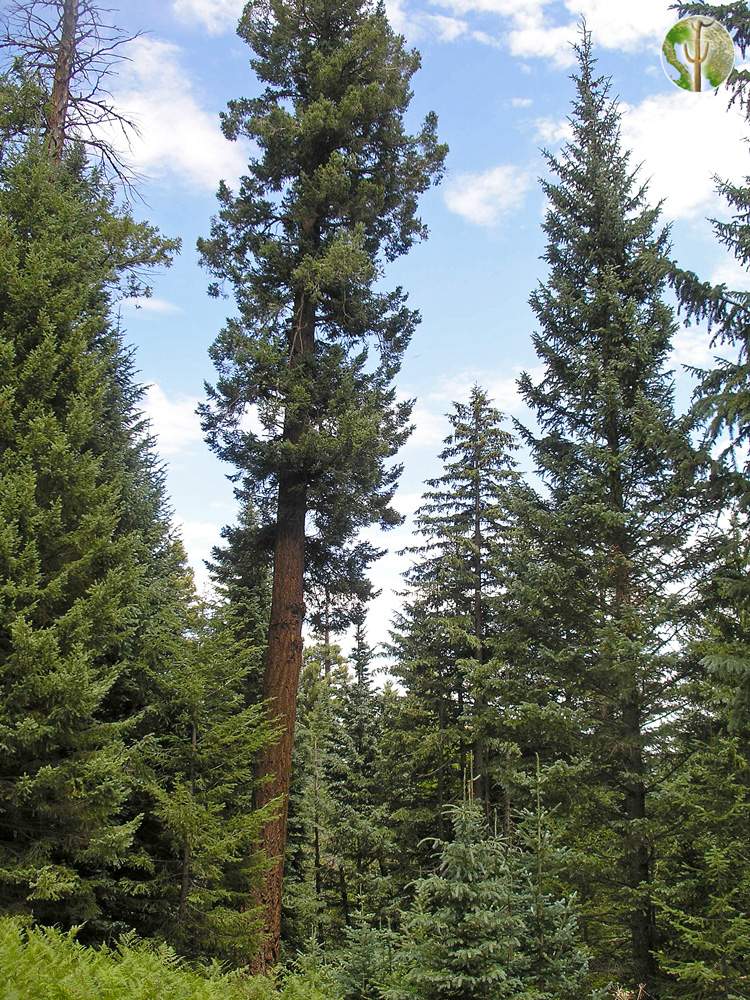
(47, 964)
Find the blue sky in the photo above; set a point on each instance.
(496, 72)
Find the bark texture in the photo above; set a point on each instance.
(283, 661)
(60, 99)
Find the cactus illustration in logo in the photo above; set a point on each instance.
(698, 54)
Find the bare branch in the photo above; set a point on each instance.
(73, 71)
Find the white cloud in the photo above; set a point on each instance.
(692, 347)
(732, 274)
(521, 102)
(501, 388)
(199, 538)
(484, 198)
(660, 132)
(151, 304)
(627, 25)
(551, 131)
(448, 28)
(397, 16)
(554, 44)
(547, 29)
(522, 11)
(178, 137)
(174, 421)
(430, 428)
(216, 16)
(419, 25)
(387, 576)
(524, 24)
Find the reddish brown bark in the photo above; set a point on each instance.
(60, 99)
(283, 661)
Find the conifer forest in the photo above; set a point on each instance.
(539, 787)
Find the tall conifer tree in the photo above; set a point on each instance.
(73, 572)
(331, 194)
(609, 533)
(722, 397)
(453, 638)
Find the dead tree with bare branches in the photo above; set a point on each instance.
(71, 49)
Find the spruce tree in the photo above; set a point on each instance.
(360, 836)
(607, 574)
(330, 196)
(369, 962)
(312, 897)
(72, 571)
(240, 573)
(554, 963)
(340, 849)
(454, 637)
(466, 926)
(721, 405)
(702, 876)
(203, 766)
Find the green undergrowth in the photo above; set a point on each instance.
(48, 964)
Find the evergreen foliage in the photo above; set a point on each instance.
(488, 924)
(107, 662)
(465, 928)
(369, 965)
(555, 963)
(340, 849)
(334, 187)
(72, 578)
(702, 888)
(454, 635)
(203, 800)
(330, 197)
(608, 582)
(571, 655)
(312, 900)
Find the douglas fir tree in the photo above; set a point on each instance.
(331, 194)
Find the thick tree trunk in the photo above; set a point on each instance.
(283, 660)
(60, 98)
